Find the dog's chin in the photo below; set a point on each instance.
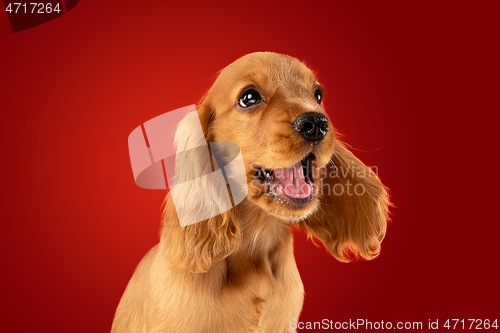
(286, 210)
(287, 193)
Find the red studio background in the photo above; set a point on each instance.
(413, 86)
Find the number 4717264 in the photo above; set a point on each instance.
(474, 324)
(37, 8)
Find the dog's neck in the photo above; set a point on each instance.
(266, 244)
(261, 233)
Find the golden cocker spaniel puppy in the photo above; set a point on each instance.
(236, 272)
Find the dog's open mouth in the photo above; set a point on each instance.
(293, 184)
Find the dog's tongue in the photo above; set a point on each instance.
(293, 181)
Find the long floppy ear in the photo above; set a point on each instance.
(200, 225)
(353, 215)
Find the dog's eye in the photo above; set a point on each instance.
(319, 95)
(249, 98)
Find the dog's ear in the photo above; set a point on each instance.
(200, 225)
(195, 247)
(354, 205)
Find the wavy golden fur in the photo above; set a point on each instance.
(236, 272)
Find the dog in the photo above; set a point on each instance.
(236, 272)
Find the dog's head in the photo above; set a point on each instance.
(271, 105)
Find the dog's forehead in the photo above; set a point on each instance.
(269, 69)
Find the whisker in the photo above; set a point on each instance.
(257, 155)
(351, 172)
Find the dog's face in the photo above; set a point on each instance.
(271, 105)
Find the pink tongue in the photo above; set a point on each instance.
(293, 181)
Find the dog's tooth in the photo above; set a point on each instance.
(267, 173)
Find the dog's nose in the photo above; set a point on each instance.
(312, 126)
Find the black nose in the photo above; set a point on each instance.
(312, 126)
